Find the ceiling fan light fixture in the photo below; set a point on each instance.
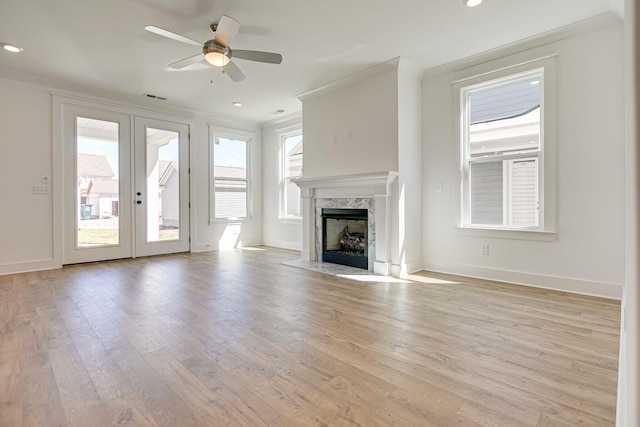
(472, 3)
(216, 54)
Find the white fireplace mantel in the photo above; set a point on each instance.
(377, 186)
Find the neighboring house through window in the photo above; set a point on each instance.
(98, 186)
(291, 167)
(231, 176)
(503, 151)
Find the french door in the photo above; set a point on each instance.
(123, 197)
(161, 187)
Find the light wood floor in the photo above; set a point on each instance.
(235, 338)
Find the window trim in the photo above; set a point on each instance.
(220, 132)
(484, 74)
(282, 179)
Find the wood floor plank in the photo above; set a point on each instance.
(238, 338)
(40, 395)
(10, 396)
(107, 377)
(80, 401)
(233, 388)
(8, 333)
(32, 344)
(165, 406)
(206, 405)
(128, 411)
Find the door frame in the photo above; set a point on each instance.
(72, 254)
(60, 102)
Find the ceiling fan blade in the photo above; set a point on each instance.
(255, 55)
(170, 35)
(186, 62)
(233, 72)
(226, 30)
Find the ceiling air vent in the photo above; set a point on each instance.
(149, 95)
(275, 112)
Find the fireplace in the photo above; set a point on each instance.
(370, 191)
(345, 237)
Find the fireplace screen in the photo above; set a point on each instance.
(344, 237)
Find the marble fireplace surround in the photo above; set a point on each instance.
(371, 191)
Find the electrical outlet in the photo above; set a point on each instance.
(484, 249)
(41, 189)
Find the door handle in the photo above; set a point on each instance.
(139, 202)
(139, 193)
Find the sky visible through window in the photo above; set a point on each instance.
(291, 142)
(230, 152)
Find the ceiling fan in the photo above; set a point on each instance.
(217, 51)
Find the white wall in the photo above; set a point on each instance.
(588, 253)
(367, 109)
(407, 256)
(26, 219)
(30, 239)
(280, 233)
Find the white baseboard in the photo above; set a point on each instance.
(564, 284)
(24, 267)
(204, 248)
(207, 247)
(248, 243)
(382, 268)
(403, 270)
(284, 244)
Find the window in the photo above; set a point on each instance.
(291, 161)
(230, 177)
(502, 151)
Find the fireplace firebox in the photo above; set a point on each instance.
(344, 237)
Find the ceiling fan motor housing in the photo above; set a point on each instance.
(216, 54)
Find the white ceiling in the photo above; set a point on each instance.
(103, 44)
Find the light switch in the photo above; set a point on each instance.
(439, 186)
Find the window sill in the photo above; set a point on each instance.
(227, 220)
(290, 220)
(507, 233)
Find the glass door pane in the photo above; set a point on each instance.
(163, 185)
(97, 183)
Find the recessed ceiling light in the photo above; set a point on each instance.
(11, 48)
(472, 3)
(237, 104)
